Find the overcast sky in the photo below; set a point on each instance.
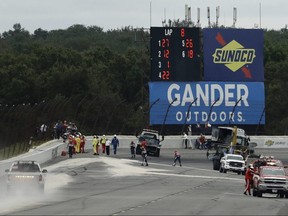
(112, 14)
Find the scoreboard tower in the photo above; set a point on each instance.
(175, 54)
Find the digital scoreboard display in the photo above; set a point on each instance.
(175, 54)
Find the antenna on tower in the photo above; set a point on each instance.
(234, 16)
(208, 16)
(198, 17)
(260, 14)
(217, 15)
(164, 21)
(186, 13)
(189, 16)
(150, 13)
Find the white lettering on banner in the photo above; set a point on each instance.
(213, 117)
(179, 116)
(207, 95)
(229, 95)
(203, 116)
(222, 116)
(176, 95)
(188, 116)
(201, 95)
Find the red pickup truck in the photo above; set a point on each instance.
(270, 179)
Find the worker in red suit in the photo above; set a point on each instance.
(248, 180)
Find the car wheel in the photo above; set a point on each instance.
(259, 194)
(254, 192)
(238, 173)
(207, 154)
(216, 165)
(281, 195)
(157, 153)
(220, 169)
(243, 173)
(286, 195)
(138, 150)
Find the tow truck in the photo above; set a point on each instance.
(153, 143)
(222, 138)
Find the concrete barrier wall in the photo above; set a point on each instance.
(53, 148)
(177, 141)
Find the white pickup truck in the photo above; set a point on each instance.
(25, 176)
(232, 162)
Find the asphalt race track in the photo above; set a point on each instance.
(118, 185)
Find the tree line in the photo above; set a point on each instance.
(99, 79)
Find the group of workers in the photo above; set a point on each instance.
(200, 142)
(76, 144)
(105, 144)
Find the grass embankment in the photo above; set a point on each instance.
(18, 148)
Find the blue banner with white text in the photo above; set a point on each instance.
(237, 103)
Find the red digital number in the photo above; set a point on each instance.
(190, 54)
(167, 42)
(182, 32)
(164, 42)
(166, 53)
(189, 43)
(168, 64)
(166, 75)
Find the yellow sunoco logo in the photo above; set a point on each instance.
(234, 56)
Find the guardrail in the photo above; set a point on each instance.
(52, 149)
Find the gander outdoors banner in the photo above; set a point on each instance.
(233, 55)
(214, 101)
